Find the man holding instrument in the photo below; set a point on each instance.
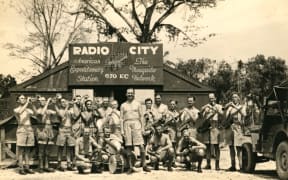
(160, 149)
(84, 152)
(65, 135)
(45, 134)
(211, 113)
(235, 115)
(24, 134)
(188, 118)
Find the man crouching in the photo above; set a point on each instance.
(160, 149)
(88, 154)
(190, 150)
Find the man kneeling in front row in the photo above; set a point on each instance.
(88, 154)
(190, 150)
(160, 149)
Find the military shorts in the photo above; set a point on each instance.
(25, 136)
(65, 136)
(45, 135)
(133, 132)
(214, 136)
(234, 135)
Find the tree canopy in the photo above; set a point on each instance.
(144, 21)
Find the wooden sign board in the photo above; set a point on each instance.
(115, 64)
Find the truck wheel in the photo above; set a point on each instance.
(282, 160)
(248, 158)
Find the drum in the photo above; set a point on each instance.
(116, 164)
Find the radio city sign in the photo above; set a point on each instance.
(115, 64)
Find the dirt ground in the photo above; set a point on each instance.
(263, 171)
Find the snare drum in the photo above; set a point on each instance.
(116, 164)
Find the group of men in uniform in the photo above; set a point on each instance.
(166, 135)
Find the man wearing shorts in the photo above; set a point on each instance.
(160, 149)
(189, 150)
(65, 135)
(24, 134)
(132, 128)
(45, 134)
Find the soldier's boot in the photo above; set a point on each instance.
(143, 162)
(208, 165)
(217, 167)
(233, 166)
(59, 167)
(199, 169)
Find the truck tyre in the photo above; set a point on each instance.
(282, 160)
(248, 158)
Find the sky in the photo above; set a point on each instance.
(244, 28)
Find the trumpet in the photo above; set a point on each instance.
(33, 99)
(228, 105)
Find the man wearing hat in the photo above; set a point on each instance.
(190, 150)
(211, 112)
(160, 149)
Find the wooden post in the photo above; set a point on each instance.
(2, 141)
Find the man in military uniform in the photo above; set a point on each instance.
(45, 135)
(148, 118)
(160, 149)
(188, 117)
(234, 133)
(105, 110)
(172, 118)
(24, 134)
(65, 134)
(190, 150)
(132, 128)
(159, 108)
(211, 113)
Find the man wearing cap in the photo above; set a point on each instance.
(190, 150)
(160, 149)
(45, 135)
(211, 112)
(234, 134)
(132, 128)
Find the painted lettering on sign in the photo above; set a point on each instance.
(91, 50)
(143, 50)
(116, 64)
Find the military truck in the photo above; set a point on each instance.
(268, 140)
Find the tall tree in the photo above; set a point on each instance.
(263, 73)
(222, 81)
(50, 30)
(144, 20)
(199, 69)
(6, 82)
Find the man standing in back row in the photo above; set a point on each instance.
(132, 128)
(212, 113)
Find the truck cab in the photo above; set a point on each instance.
(268, 139)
